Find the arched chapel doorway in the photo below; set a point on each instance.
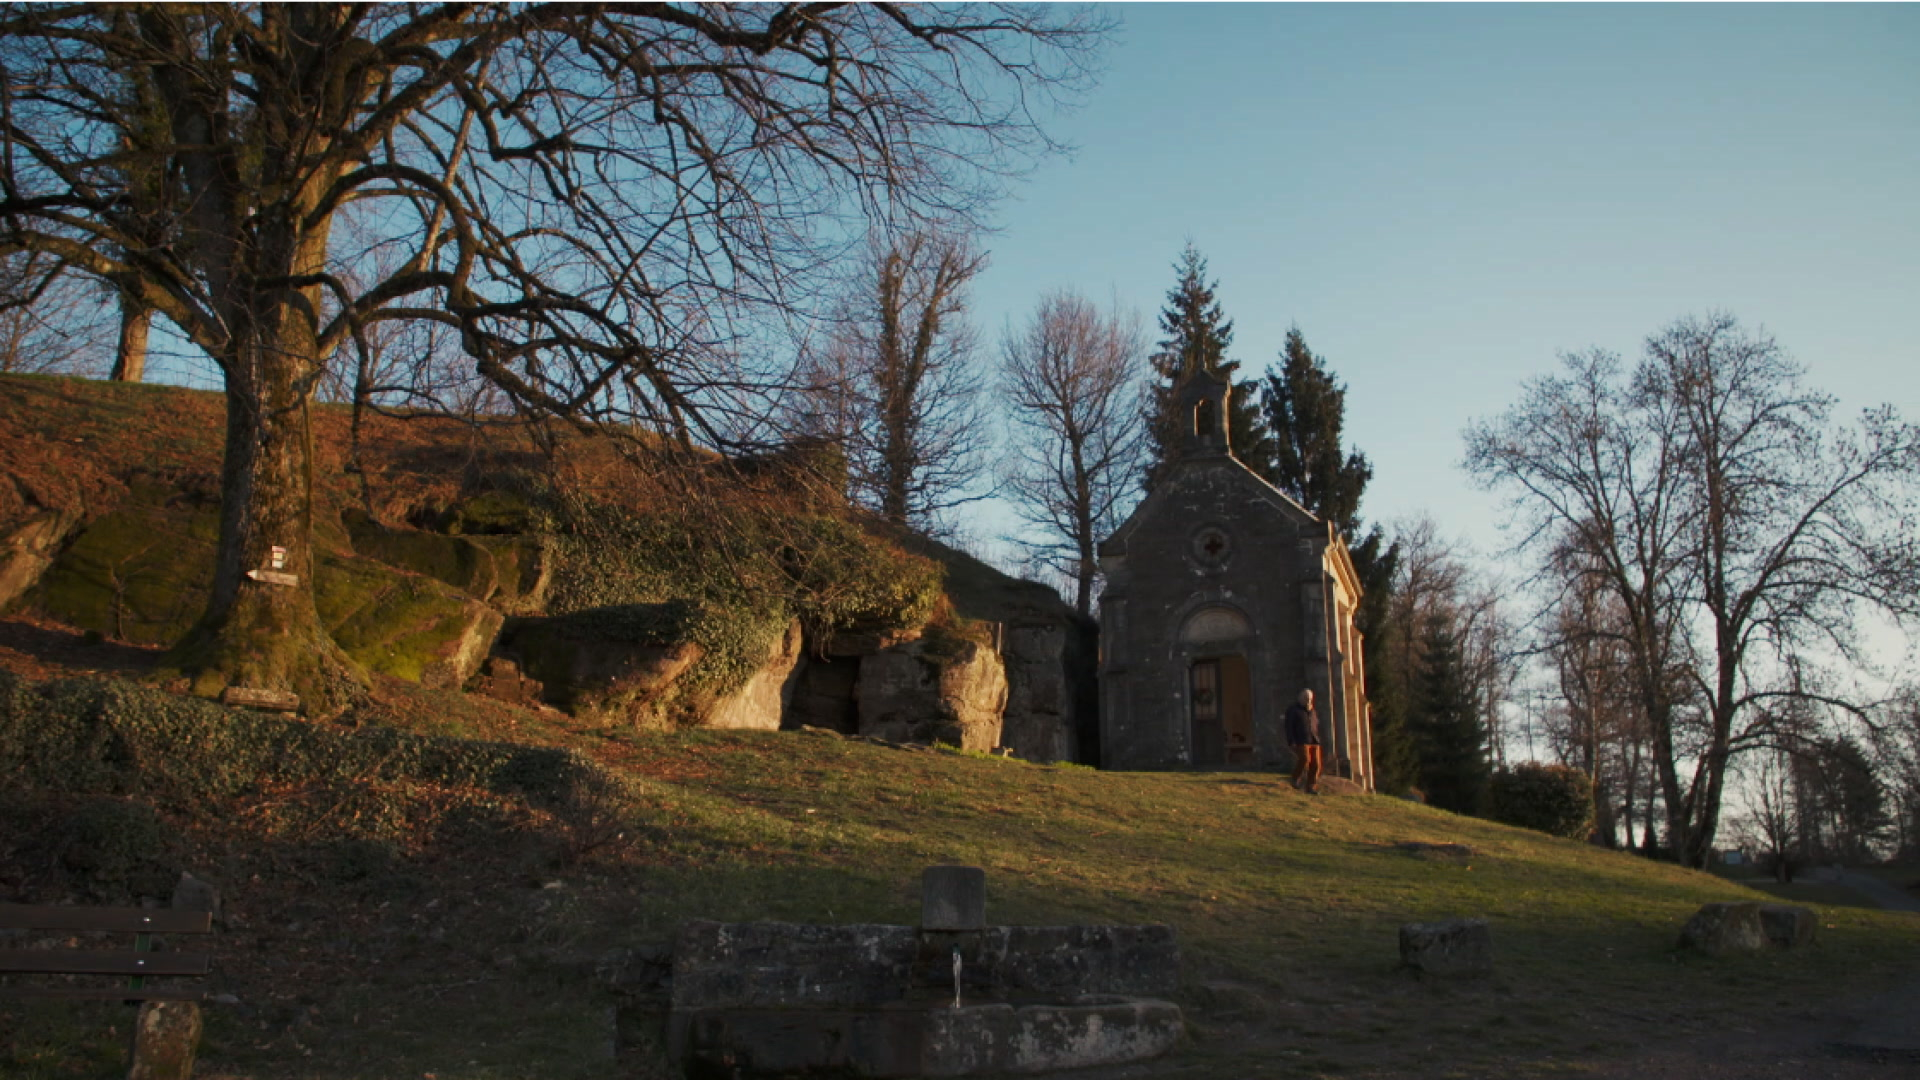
(1221, 708)
(1219, 690)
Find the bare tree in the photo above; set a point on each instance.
(1771, 823)
(641, 188)
(895, 381)
(1595, 723)
(405, 368)
(50, 319)
(1439, 597)
(1741, 532)
(1897, 744)
(1071, 375)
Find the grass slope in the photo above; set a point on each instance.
(403, 928)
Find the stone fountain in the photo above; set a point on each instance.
(951, 997)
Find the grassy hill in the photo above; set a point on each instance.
(426, 917)
(428, 886)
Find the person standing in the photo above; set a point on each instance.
(1303, 737)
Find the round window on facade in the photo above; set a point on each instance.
(1211, 545)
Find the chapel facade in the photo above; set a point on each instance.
(1224, 599)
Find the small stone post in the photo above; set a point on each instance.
(166, 1034)
(165, 1037)
(1454, 947)
(953, 898)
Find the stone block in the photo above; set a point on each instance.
(760, 702)
(610, 664)
(741, 1043)
(252, 697)
(643, 975)
(1722, 928)
(921, 1039)
(1002, 1038)
(953, 898)
(1038, 722)
(1451, 947)
(166, 1035)
(787, 965)
(1067, 961)
(502, 680)
(193, 894)
(1788, 925)
(29, 548)
(956, 694)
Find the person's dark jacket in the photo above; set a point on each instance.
(1303, 726)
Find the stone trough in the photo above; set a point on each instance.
(952, 997)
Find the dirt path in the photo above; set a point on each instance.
(1888, 896)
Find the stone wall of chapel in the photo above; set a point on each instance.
(1213, 540)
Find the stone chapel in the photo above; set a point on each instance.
(1224, 599)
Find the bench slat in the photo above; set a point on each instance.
(104, 962)
(101, 993)
(113, 920)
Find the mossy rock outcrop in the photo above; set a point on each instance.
(28, 548)
(142, 573)
(523, 571)
(673, 664)
(614, 664)
(404, 625)
(939, 689)
(498, 513)
(456, 560)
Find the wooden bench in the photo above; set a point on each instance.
(167, 1031)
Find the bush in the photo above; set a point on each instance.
(1553, 799)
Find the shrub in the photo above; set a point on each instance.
(1553, 799)
(115, 738)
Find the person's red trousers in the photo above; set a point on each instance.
(1306, 766)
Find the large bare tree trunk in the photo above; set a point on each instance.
(261, 629)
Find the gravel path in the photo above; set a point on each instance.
(1887, 895)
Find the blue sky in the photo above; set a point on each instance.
(1444, 197)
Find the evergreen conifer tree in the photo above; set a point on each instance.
(1396, 761)
(1305, 408)
(1445, 725)
(1198, 334)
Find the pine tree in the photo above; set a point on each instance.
(1445, 726)
(1306, 409)
(1396, 761)
(1198, 334)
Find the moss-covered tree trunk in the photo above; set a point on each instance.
(261, 629)
(260, 225)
